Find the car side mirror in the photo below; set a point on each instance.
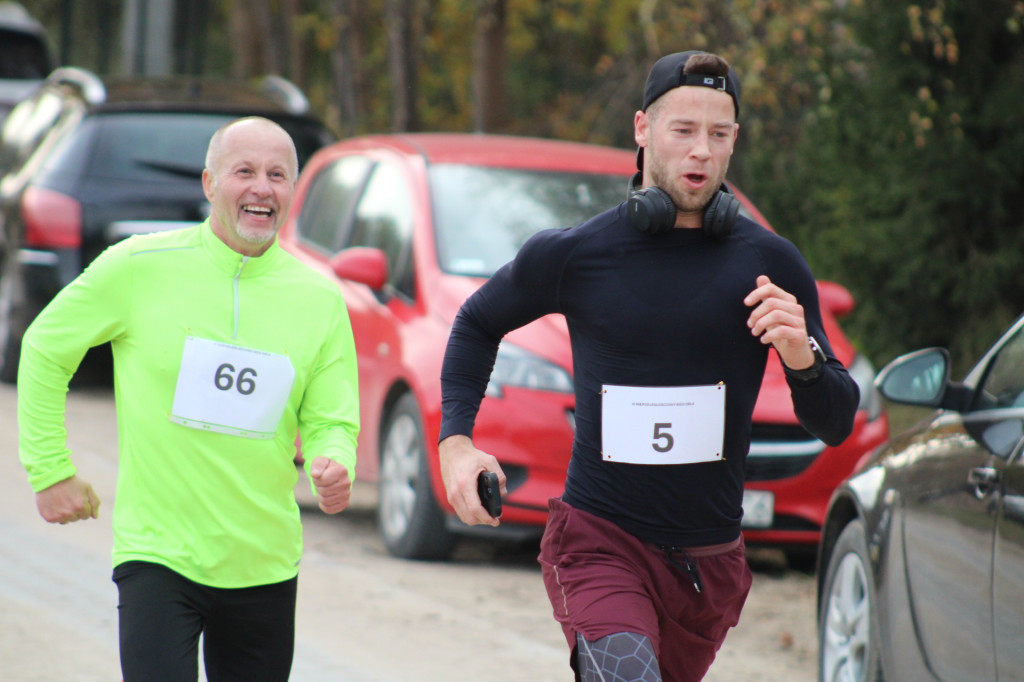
(919, 378)
(836, 298)
(362, 264)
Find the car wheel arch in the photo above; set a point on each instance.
(395, 393)
(412, 527)
(398, 390)
(841, 513)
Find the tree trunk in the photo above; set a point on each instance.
(245, 40)
(297, 46)
(489, 69)
(345, 58)
(402, 50)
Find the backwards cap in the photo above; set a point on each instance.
(667, 74)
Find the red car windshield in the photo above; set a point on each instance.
(483, 215)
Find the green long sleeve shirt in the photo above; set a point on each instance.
(220, 360)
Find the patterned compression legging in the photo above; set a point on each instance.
(621, 657)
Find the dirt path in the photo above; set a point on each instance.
(362, 616)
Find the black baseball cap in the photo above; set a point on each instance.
(667, 74)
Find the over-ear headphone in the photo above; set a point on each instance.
(651, 210)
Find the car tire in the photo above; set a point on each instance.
(848, 638)
(411, 522)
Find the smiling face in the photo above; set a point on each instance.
(250, 181)
(688, 136)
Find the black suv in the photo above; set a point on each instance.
(86, 162)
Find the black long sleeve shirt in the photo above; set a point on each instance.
(643, 310)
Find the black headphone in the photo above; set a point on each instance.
(652, 211)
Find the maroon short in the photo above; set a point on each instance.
(601, 580)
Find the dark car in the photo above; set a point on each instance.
(26, 57)
(86, 162)
(922, 555)
(409, 226)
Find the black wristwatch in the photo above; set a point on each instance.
(812, 372)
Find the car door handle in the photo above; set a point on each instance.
(983, 479)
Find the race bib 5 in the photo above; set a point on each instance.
(662, 425)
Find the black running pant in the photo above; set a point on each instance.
(247, 633)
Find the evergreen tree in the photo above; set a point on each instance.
(909, 188)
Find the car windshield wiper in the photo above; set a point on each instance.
(180, 169)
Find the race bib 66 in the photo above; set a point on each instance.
(230, 389)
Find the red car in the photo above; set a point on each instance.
(410, 225)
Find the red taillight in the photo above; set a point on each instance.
(52, 220)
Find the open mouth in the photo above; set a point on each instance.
(696, 178)
(258, 211)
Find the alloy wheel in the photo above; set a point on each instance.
(846, 637)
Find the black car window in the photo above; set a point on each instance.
(24, 55)
(329, 201)
(157, 146)
(71, 150)
(1003, 385)
(384, 220)
(152, 146)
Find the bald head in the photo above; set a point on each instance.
(215, 152)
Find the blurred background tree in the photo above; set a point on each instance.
(906, 184)
(884, 137)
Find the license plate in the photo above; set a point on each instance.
(758, 508)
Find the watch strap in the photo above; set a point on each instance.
(814, 371)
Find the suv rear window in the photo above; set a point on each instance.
(140, 147)
(155, 146)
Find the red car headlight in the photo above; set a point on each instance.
(516, 366)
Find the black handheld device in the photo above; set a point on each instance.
(490, 492)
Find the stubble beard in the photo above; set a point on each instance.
(255, 236)
(686, 202)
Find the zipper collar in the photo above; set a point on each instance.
(233, 263)
(236, 265)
